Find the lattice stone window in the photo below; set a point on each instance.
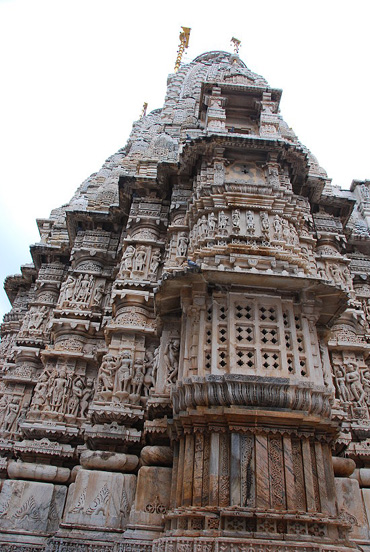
(254, 335)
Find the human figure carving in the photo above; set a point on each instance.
(76, 395)
(353, 379)
(86, 397)
(251, 227)
(40, 393)
(265, 224)
(66, 290)
(106, 373)
(11, 414)
(154, 263)
(149, 367)
(138, 377)
(222, 222)
(235, 218)
(182, 245)
(140, 258)
(126, 265)
(58, 390)
(203, 227)
(277, 227)
(171, 358)
(212, 220)
(340, 380)
(4, 400)
(123, 374)
(98, 294)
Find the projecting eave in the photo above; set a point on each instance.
(16, 281)
(332, 299)
(294, 154)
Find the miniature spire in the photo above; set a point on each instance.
(184, 44)
(143, 111)
(236, 44)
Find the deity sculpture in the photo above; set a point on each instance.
(123, 374)
(140, 259)
(106, 374)
(98, 294)
(235, 218)
(171, 358)
(66, 290)
(354, 381)
(86, 397)
(127, 258)
(11, 414)
(182, 245)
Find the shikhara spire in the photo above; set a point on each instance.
(189, 348)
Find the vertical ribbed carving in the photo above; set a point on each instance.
(277, 480)
(247, 475)
(300, 494)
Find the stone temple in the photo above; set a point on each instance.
(186, 364)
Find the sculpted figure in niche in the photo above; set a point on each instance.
(127, 258)
(58, 390)
(235, 218)
(182, 244)
(123, 375)
(171, 358)
(203, 227)
(40, 394)
(36, 319)
(154, 263)
(138, 377)
(265, 225)
(277, 227)
(250, 222)
(340, 381)
(84, 289)
(149, 368)
(98, 294)
(353, 379)
(106, 374)
(66, 291)
(140, 258)
(366, 385)
(336, 273)
(76, 395)
(222, 222)
(87, 395)
(3, 405)
(11, 414)
(212, 220)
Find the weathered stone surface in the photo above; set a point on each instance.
(156, 456)
(351, 507)
(100, 500)
(102, 460)
(31, 507)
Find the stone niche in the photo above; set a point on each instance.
(99, 500)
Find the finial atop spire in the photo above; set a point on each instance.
(184, 44)
(236, 44)
(143, 111)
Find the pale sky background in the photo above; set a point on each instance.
(75, 74)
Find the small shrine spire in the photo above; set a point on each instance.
(184, 44)
(236, 44)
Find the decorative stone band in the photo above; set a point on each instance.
(251, 391)
(240, 545)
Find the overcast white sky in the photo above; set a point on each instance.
(75, 73)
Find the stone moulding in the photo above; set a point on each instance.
(251, 391)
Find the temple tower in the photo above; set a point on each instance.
(189, 348)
